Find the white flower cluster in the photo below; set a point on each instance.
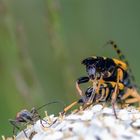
(94, 123)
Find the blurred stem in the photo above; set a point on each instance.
(54, 28)
(57, 43)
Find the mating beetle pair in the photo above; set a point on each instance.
(111, 80)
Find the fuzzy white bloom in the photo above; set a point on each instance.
(94, 123)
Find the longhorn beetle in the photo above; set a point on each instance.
(25, 117)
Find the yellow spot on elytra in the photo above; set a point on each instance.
(122, 64)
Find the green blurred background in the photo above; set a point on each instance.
(42, 43)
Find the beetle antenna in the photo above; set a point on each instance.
(53, 102)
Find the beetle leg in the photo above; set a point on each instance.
(116, 91)
(90, 100)
(80, 81)
(14, 123)
(96, 87)
(69, 107)
(101, 81)
(41, 121)
(134, 94)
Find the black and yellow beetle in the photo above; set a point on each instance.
(104, 69)
(106, 75)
